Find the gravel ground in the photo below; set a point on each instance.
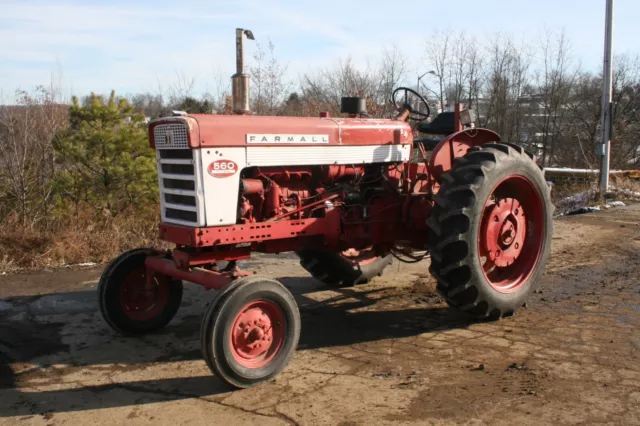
(389, 352)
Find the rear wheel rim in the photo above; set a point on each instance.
(257, 333)
(511, 234)
(142, 301)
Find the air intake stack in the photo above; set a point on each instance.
(240, 80)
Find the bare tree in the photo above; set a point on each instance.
(626, 145)
(26, 154)
(438, 56)
(324, 90)
(270, 85)
(219, 91)
(506, 78)
(150, 104)
(554, 83)
(392, 69)
(181, 89)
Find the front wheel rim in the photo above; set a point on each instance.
(257, 333)
(511, 234)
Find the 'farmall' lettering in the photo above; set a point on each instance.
(286, 139)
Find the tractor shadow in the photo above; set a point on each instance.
(66, 329)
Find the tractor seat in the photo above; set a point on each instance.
(443, 124)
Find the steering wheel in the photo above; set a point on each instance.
(414, 113)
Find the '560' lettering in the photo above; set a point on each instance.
(222, 168)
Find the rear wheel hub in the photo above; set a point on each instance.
(510, 236)
(504, 231)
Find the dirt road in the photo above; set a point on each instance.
(386, 353)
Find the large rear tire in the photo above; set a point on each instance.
(340, 269)
(490, 231)
(127, 304)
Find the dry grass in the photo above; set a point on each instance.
(626, 187)
(86, 238)
(572, 197)
(91, 237)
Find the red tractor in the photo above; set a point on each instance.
(346, 194)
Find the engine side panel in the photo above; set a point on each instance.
(221, 187)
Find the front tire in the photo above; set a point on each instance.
(250, 331)
(127, 304)
(490, 231)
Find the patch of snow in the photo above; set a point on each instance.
(574, 171)
(581, 197)
(616, 204)
(82, 265)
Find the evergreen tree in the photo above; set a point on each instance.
(105, 158)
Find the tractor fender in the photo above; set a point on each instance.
(454, 146)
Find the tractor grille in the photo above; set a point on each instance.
(180, 177)
(171, 136)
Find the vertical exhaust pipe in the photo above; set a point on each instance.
(240, 80)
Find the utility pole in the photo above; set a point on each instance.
(607, 101)
(420, 78)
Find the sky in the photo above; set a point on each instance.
(147, 46)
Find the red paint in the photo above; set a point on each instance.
(259, 232)
(284, 173)
(272, 200)
(456, 145)
(193, 132)
(185, 260)
(334, 172)
(222, 168)
(143, 299)
(252, 186)
(287, 208)
(211, 280)
(511, 234)
(504, 231)
(209, 130)
(257, 333)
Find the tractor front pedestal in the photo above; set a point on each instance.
(211, 280)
